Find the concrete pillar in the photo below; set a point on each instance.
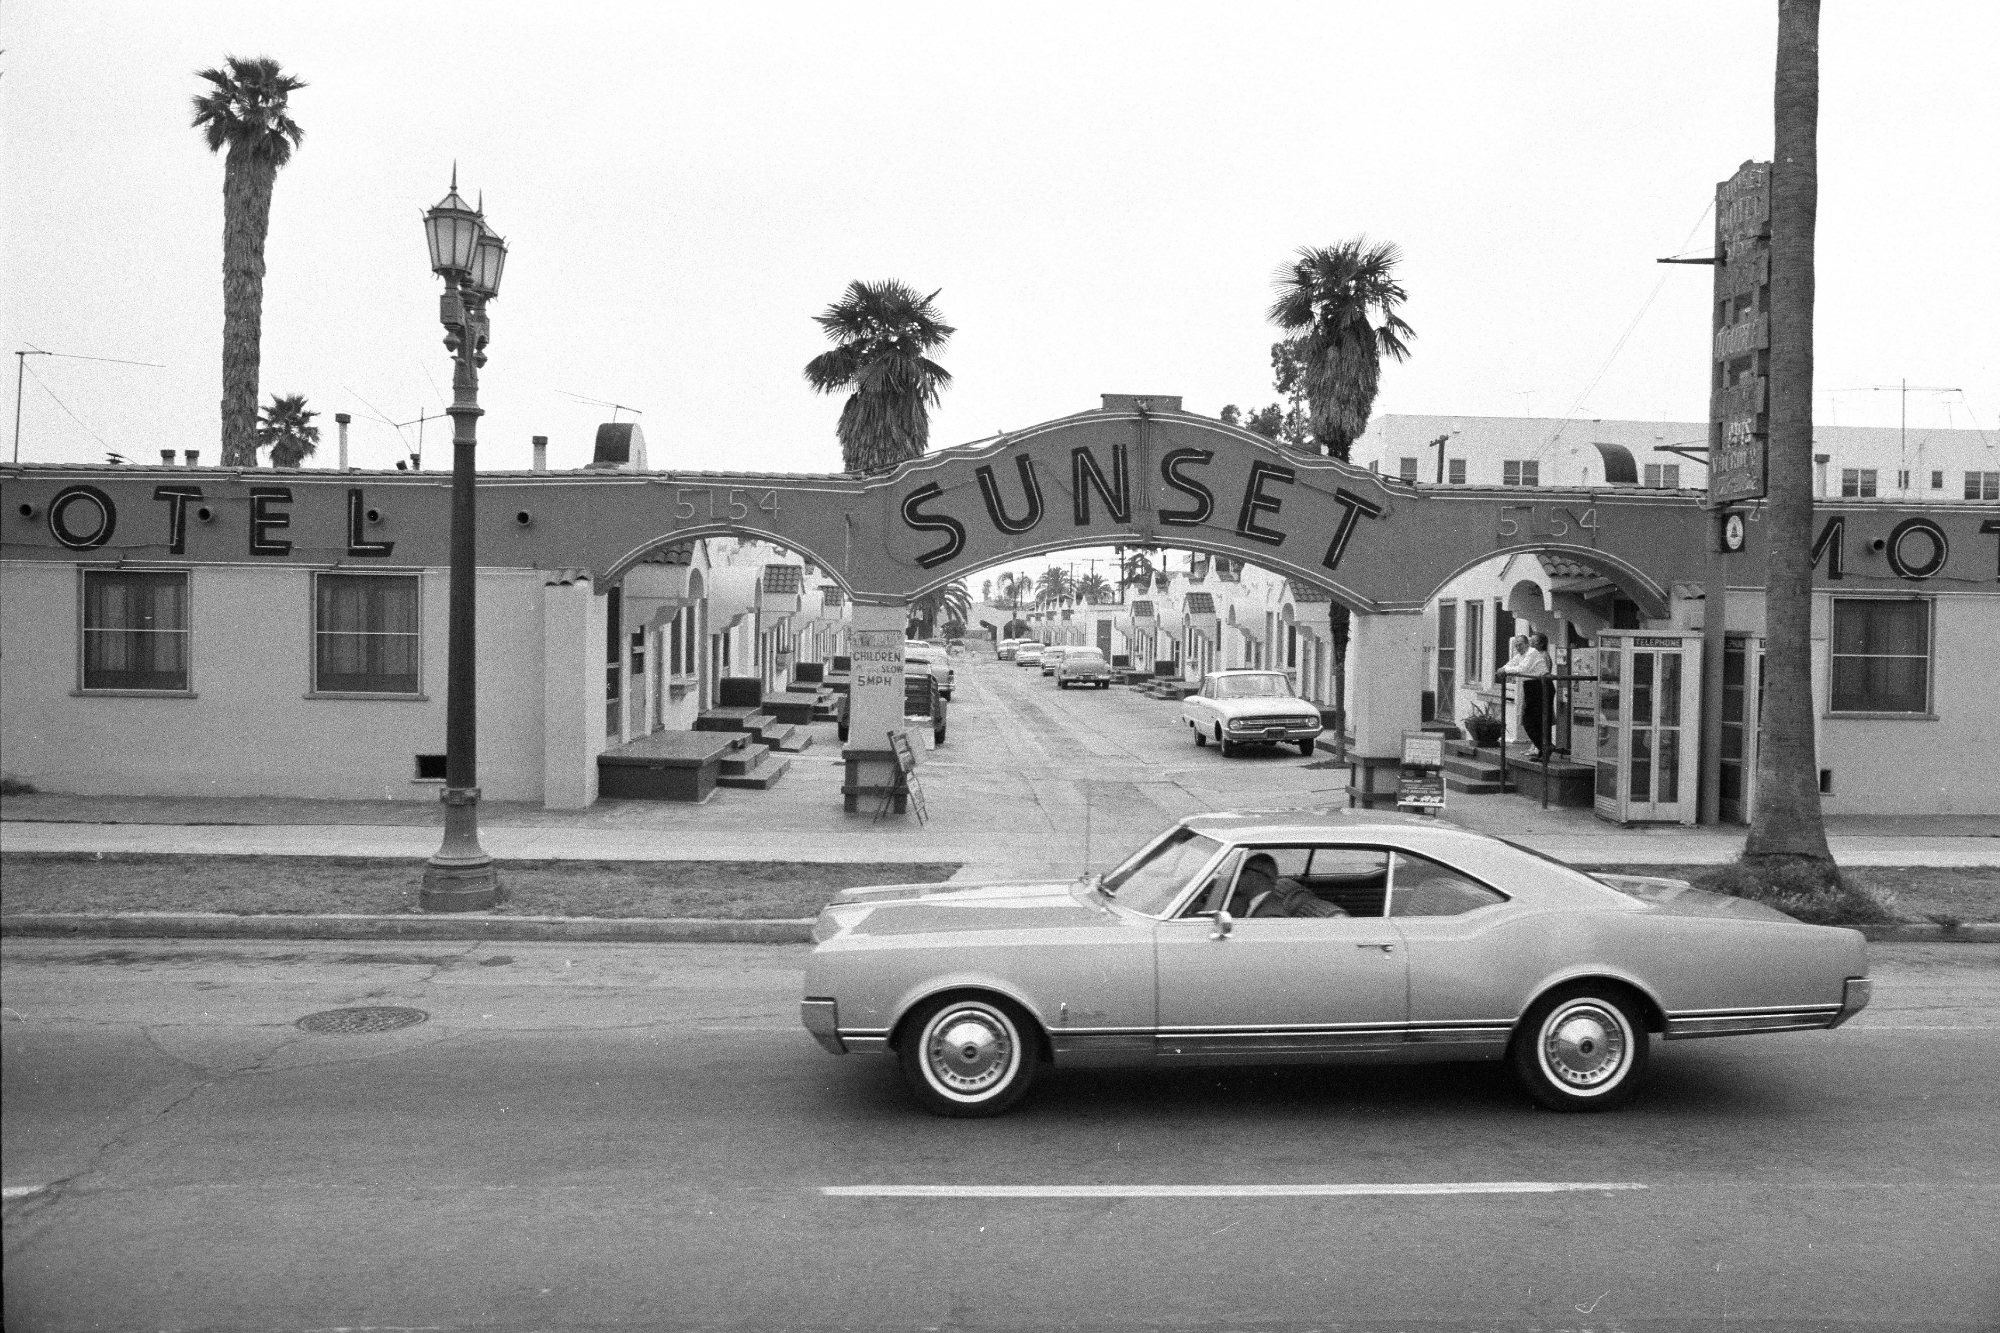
(1384, 685)
(874, 700)
(573, 628)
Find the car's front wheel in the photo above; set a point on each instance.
(1200, 737)
(1307, 746)
(1222, 742)
(968, 1056)
(1581, 1048)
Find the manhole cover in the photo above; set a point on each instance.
(371, 1018)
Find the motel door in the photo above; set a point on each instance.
(1742, 720)
(1648, 726)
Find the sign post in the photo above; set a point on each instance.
(1420, 784)
(1741, 348)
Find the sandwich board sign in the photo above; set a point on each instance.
(1420, 784)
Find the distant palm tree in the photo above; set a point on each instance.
(1054, 584)
(1093, 587)
(1016, 587)
(1135, 570)
(246, 112)
(1339, 302)
(286, 429)
(884, 332)
(986, 590)
(941, 605)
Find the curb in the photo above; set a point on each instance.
(466, 926)
(589, 929)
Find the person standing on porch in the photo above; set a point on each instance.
(1533, 670)
(1517, 648)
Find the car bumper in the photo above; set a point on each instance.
(822, 1019)
(1293, 732)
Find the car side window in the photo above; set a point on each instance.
(1214, 894)
(1424, 887)
(1354, 879)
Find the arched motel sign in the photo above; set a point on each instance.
(1138, 471)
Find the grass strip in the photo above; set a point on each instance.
(310, 886)
(1947, 895)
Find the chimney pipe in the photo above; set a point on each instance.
(1819, 473)
(341, 419)
(193, 457)
(541, 453)
(167, 457)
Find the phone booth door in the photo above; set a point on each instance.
(1648, 726)
(1742, 712)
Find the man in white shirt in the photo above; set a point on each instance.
(1534, 672)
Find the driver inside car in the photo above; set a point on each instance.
(1264, 894)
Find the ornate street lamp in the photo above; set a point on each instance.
(469, 256)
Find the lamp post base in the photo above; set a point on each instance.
(460, 877)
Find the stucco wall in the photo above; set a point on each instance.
(250, 728)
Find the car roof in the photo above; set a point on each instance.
(1248, 671)
(1311, 822)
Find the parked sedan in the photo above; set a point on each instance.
(1051, 655)
(1083, 666)
(1028, 654)
(1005, 649)
(1243, 707)
(919, 656)
(1312, 936)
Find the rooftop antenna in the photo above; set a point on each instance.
(423, 414)
(21, 366)
(616, 408)
(1903, 389)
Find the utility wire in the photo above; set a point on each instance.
(65, 406)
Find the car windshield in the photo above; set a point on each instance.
(1149, 882)
(1083, 655)
(1263, 685)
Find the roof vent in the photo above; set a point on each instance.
(621, 447)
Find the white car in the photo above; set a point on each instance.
(1083, 666)
(1028, 653)
(1250, 707)
(1006, 649)
(917, 654)
(1052, 655)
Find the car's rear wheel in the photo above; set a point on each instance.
(1581, 1048)
(1306, 746)
(968, 1056)
(1200, 738)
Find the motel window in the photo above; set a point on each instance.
(1455, 472)
(135, 630)
(1937, 480)
(1521, 472)
(1982, 485)
(1857, 482)
(1881, 655)
(1663, 476)
(1903, 480)
(1475, 640)
(365, 634)
(1406, 468)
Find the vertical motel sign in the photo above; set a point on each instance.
(1741, 346)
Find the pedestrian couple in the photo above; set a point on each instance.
(1531, 666)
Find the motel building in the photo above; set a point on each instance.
(177, 630)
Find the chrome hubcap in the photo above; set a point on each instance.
(1584, 1045)
(969, 1051)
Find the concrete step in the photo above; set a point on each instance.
(762, 777)
(734, 719)
(743, 759)
(788, 738)
(1475, 786)
(792, 709)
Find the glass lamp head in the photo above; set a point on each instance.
(453, 227)
(489, 260)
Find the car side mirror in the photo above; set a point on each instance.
(1224, 923)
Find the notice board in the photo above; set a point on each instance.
(906, 766)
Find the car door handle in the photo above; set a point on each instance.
(1385, 948)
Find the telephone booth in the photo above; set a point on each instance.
(1742, 716)
(1648, 726)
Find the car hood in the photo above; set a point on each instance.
(907, 909)
(1264, 707)
(1677, 897)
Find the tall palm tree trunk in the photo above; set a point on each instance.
(1788, 824)
(247, 182)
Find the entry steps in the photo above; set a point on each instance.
(1476, 771)
(753, 765)
(763, 727)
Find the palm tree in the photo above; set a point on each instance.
(287, 430)
(1054, 584)
(1015, 587)
(1093, 587)
(246, 112)
(947, 604)
(884, 332)
(1135, 570)
(1339, 302)
(1788, 825)
(986, 591)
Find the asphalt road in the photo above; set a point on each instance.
(641, 1137)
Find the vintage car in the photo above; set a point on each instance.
(919, 656)
(1312, 936)
(1028, 654)
(1051, 655)
(1249, 707)
(1083, 666)
(1004, 649)
(923, 702)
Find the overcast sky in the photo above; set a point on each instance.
(1100, 191)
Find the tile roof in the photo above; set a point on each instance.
(1306, 592)
(784, 579)
(1199, 604)
(1143, 610)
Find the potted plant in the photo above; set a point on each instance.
(1484, 729)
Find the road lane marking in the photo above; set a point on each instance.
(20, 1191)
(1219, 1191)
